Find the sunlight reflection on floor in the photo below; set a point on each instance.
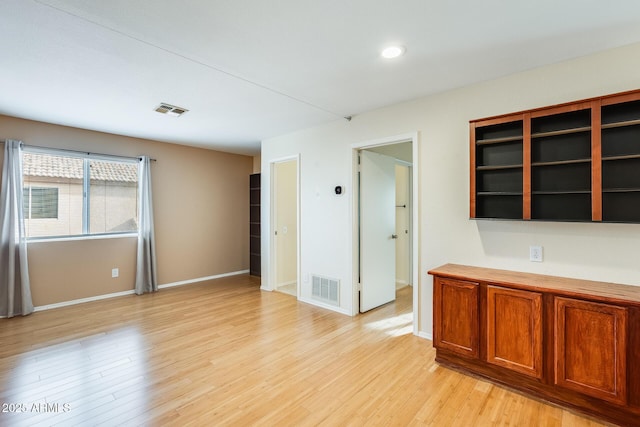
(76, 381)
(394, 326)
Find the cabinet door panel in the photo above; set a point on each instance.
(590, 348)
(456, 316)
(514, 330)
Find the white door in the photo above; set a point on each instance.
(377, 228)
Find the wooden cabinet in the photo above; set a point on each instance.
(572, 162)
(514, 330)
(590, 348)
(457, 316)
(572, 342)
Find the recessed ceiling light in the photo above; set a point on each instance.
(393, 52)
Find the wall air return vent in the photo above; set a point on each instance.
(325, 289)
(171, 110)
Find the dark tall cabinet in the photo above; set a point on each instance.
(254, 224)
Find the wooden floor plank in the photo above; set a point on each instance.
(225, 353)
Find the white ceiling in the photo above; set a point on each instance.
(251, 69)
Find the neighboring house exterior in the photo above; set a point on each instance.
(53, 196)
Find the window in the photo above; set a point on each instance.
(40, 202)
(75, 195)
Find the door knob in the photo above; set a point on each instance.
(394, 236)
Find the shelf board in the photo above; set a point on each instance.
(549, 193)
(621, 190)
(561, 162)
(621, 124)
(560, 132)
(499, 140)
(623, 157)
(496, 218)
(499, 193)
(493, 168)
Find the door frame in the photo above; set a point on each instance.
(355, 223)
(273, 266)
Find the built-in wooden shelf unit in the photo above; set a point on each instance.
(573, 162)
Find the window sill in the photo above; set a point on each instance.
(83, 237)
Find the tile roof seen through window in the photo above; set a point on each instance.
(46, 165)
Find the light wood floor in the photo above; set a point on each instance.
(225, 353)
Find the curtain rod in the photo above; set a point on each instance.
(88, 153)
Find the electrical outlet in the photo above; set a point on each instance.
(115, 272)
(535, 253)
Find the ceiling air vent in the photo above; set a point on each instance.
(171, 110)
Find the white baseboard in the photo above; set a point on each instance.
(327, 306)
(425, 335)
(202, 279)
(131, 292)
(82, 300)
(290, 282)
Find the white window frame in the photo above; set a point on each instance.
(86, 183)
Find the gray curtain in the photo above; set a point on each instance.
(146, 276)
(15, 293)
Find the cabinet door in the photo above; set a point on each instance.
(514, 330)
(456, 316)
(590, 348)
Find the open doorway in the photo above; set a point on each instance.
(285, 226)
(404, 203)
(385, 239)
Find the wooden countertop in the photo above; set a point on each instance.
(563, 286)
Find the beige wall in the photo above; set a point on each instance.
(286, 222)
(68, 270)
(256, 164)
(201, 206)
